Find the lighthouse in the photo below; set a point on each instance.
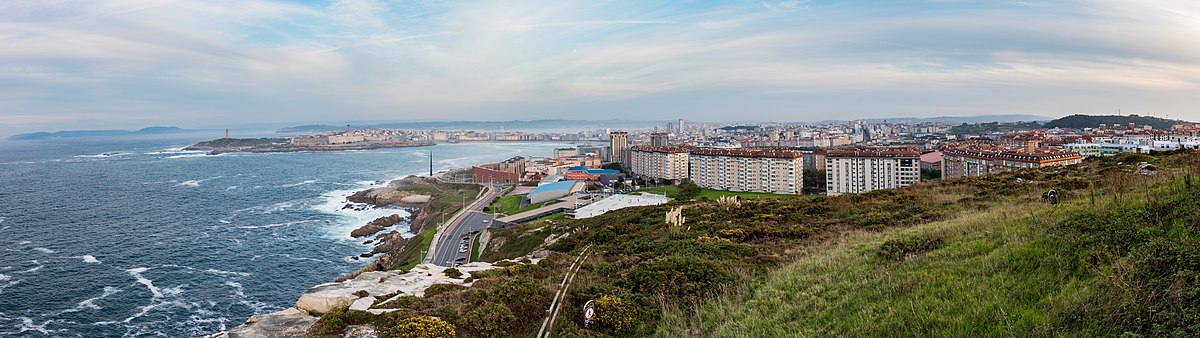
(226, 133)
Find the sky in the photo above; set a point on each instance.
(134, 63)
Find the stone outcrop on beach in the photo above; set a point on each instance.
(388, 196)
(376, 226)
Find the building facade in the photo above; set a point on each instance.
(618, 145)
(769, 170)
(664, 163)
(863, 169)
(660, 139)
(966, 159)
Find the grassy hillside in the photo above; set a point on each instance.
(968, 257)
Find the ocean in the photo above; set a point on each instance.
(133, 237)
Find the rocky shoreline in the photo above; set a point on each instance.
(376, 281)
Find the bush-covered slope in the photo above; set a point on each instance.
(1080, 121)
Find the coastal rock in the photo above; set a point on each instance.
(283, 324)
(388, 196)
(376, 226)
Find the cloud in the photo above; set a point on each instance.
(195, 61)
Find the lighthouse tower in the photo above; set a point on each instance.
(226, 133)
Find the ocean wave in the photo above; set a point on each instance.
(223, 272)
(299, 184)
(90, 303)
(34, 269)
(103, 155)
(174, 151)
(190, 155)
(27, 325)
(231, 188)
(195, 183)
(276, 225)
(137, 274)
(44, 250)
(89, 259)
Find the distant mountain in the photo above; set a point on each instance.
(526, 125)
(95, 133)
(1080, 121)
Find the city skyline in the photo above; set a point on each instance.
(133, 63)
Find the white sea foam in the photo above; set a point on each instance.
(223, 272)
(190, 155)
(137, 274)
(174, 151)
(334, 203)
(276, 225)
(231, 188)
(104, 155)
(90, 259)
(224, 221)
(36, 268)
(44, 250)
(306, 182)
(27, 325)
(90, 303)
(4, 277)
(24, 242)
(196, 183)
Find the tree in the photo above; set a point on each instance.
(613, 166)
(814, 178)
(687, 190)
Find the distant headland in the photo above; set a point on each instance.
(97, 133)
(353, 140)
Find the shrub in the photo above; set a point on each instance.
(453, 273)
(422, 327)
(899, 249)
(490, 320)
(683, 277)
(437, 289)
(362, 293)
(613, 314)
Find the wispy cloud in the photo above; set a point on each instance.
(194, 61)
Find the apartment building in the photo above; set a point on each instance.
(659, 162)
(863, 169)
(770, 169)
(975, 158)
(618, 145)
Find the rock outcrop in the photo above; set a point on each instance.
(283, 324)
(376, 226)
(388, 196)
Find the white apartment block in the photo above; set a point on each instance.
(667, 163)
(769, 170)
(863, 169)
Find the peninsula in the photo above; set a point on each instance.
(344, 140)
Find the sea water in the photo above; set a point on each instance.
(136, 237)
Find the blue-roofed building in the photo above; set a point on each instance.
(551, 191)
(582, 173)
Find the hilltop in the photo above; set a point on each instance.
(967, 257)
(1080, 121)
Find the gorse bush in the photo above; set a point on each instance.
(422, 327)
(613, 315)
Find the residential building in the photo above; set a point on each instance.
(979, 158)
(618, 145)
(659, 162)
(508, 171)
(768, 169)
(660, 139)
(931, 161)
(863, 169)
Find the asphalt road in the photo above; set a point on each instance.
(473, 220)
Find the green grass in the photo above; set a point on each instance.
(475, 247)
(511, 205)
(521, 239)
(712, 194)
(1086, 267)
(426, 240)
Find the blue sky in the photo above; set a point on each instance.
(131, 63)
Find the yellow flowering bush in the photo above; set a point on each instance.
(422, 327)
(613, 314)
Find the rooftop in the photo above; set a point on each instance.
(874, 152)
(660, 149)
(556, 186)
(771, 152)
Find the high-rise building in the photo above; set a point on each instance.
(682, 129)
(768, 169)
(660, 139)
(667, 163)
(618, 145)
(975, 158)
(863, 169)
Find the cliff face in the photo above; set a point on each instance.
(388, 196)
